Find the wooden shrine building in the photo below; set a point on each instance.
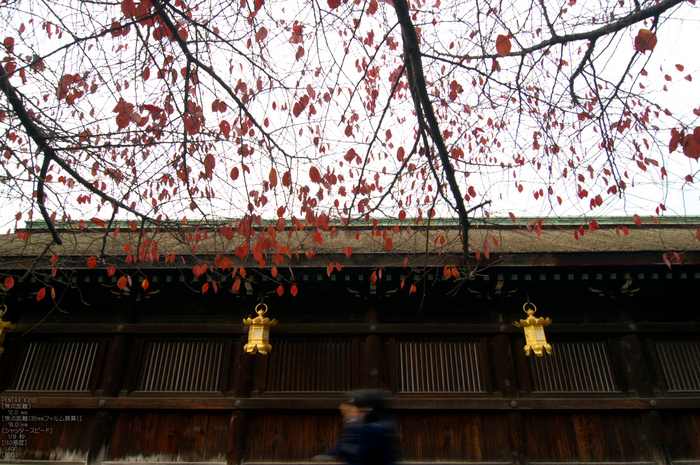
(109, 374)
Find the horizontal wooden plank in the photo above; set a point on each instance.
(445, 463)
(128, 462)
(52, 462)
(353, 329)
(402, 462)
(331, 402)
(593, 463)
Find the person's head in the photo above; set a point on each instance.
(368, 403)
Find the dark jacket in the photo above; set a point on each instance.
(372, 443)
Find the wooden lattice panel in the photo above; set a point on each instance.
(573, 367)
(311, 366)
(56, 366)
(439, 366)
(680, 361)
(182, 366)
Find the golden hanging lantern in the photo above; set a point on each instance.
(534, 331)
(259, 331)
(4, 325)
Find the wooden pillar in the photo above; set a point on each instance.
(507, 385)
(116, 362)
(243, 386)
(638, 378)
(373, 353)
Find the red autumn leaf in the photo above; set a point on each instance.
(225, 263)
(205, 288)
(374, 277)
(512, 216)
(225, 127)
(347, 250)
(209, 162)
(92, 262)
(287, 179)
(38, 65)
(503, 45)
(294, 290)
(447, 272)
(637, 220)
(696, 134)
(121, 282)
(273, 178)
(413, 289)
(300, 105)
(675, 140)
(53, 292)
(10, 281)
(111, 269)
(128, 8)
(234, 173)
(471, 191)
(455, 272)
(9, 43)
(226, 232)
(273, 271)
(41, 294)
(333, 4)
(329, 268)
(645, 40)
(691, 148)
(297, 34)
(127, 247)
(236, 286)
(372, 8)
(261, 34)
(389, 244)
(314, 174)
(666, 261)
(145, 284)
(402, 215)
(400, 153)
(54, 259)
(151, 108)
(280, 290)
(478, 254)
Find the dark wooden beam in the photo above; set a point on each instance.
(355, 328)
(331, 403)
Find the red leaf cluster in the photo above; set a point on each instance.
(300, 105)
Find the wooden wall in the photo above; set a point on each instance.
(144, 384)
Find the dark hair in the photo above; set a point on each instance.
(368, 398)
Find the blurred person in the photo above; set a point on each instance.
(368, 437)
